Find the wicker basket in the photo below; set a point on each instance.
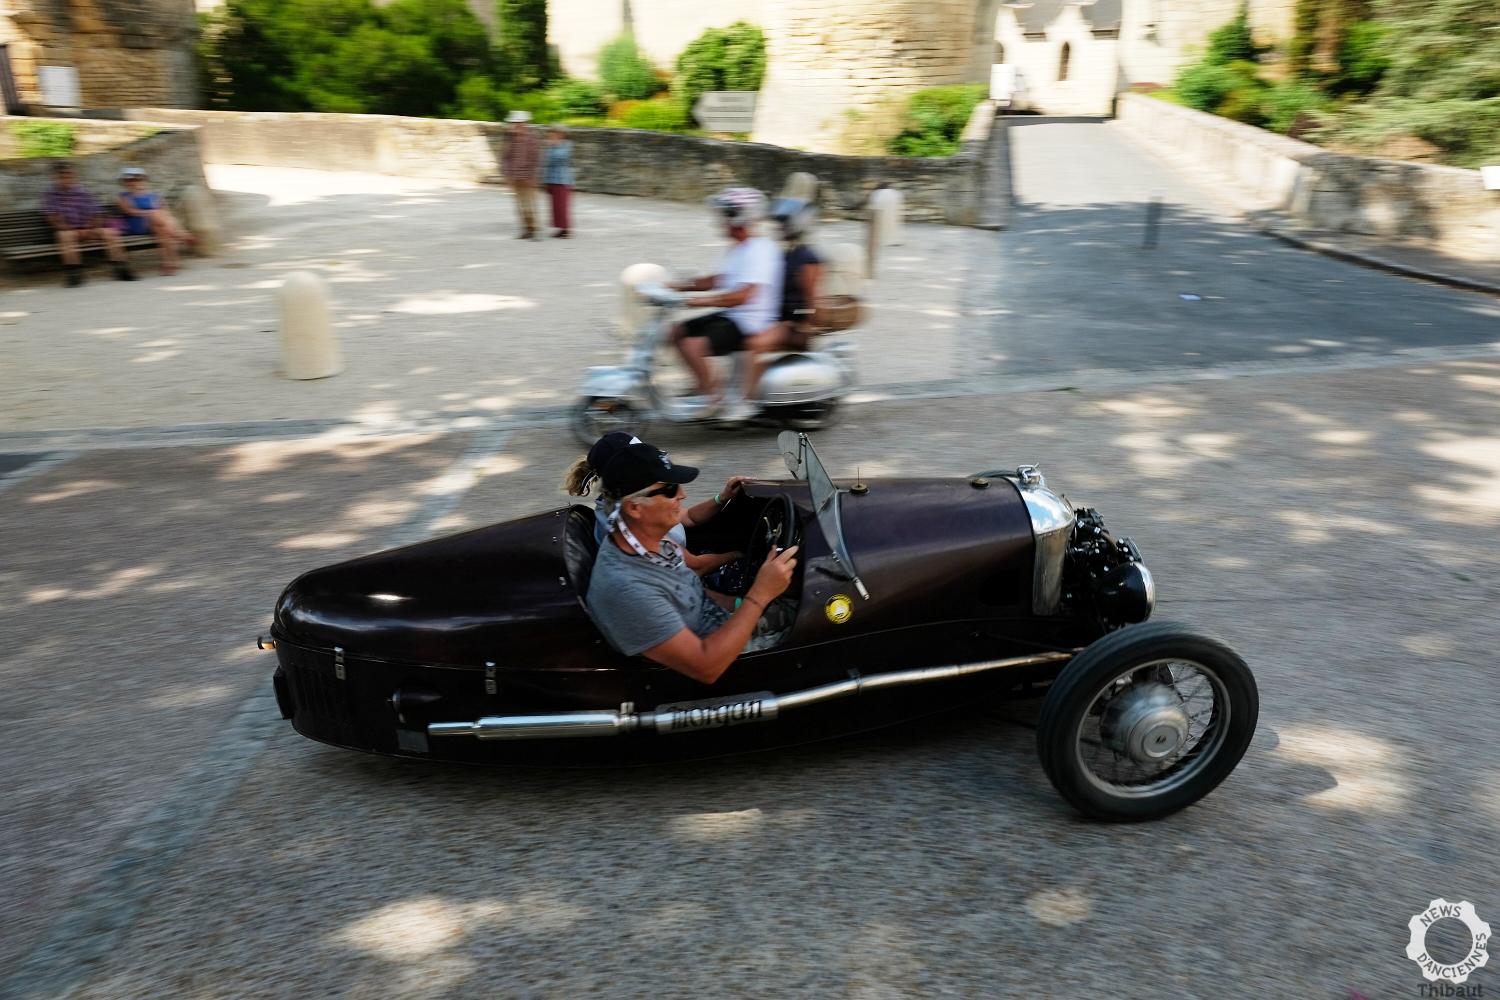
(839, 312)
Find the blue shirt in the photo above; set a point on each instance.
(557, 168)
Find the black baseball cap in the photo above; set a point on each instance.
(608, 447)
(639, 465)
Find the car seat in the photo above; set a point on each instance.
(580, 549)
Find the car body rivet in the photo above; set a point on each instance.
(979, 482)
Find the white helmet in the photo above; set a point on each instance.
(739, 206)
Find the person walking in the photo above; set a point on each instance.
(74, 216)
(522, 160)
(558, 176)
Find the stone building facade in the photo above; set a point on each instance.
(125, 52)
(835, 67)
(1077, 57)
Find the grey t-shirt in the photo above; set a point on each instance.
(638, 604)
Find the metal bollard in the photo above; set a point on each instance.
(309, 346)
(885, 223)
(632, 309)
(1153, 218)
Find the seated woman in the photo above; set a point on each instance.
(799, 297)
(145, 214)
(588, 469)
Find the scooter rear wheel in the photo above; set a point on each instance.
(596, 416)
(807, 416)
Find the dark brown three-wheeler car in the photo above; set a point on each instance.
(912, 596)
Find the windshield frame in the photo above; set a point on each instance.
(803, 463)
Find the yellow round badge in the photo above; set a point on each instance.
(839, 608)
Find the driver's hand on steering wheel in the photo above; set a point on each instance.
(774, 576)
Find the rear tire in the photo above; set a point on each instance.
(807, 416)
(1146, 721)
(596, 416)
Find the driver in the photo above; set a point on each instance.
(582, 474)
(642, 594)
(746, 288)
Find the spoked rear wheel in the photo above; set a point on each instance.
(597, 416)
(1146, 721)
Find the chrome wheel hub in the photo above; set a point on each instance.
(1146, 723)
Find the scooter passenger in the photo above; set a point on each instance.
(745, 288)
(798, 320)
(590, 468)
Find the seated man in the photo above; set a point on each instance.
(746, 289)
(642, 594)
(74, 216)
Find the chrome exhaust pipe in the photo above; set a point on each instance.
(713, 713)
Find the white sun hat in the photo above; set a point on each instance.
(517, 117)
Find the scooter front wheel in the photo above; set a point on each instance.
(596, 416)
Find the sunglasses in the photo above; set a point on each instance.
(669, 491)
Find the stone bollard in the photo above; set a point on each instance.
(202, 219)
(309, 347)
(801, 185)
(885, 222)
(632, 309)
(846, 270)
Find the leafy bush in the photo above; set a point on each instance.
(1285, 104)
(1232, 42)
(626, 72)
(44, 138)
(660, 115)
(935, 120)
(578, 99)
(1205, 85)
(732, 58)
(1362, 58)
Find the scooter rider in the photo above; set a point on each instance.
(746, 288)
(802, 270)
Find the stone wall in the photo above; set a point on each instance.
(840, 69)
(608, 161)
(170, 156)
(1444, 208)
(89, 136)
(126, 52)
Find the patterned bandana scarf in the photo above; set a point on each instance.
(670, 556)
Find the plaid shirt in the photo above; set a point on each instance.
(523, 155)
(75, 205)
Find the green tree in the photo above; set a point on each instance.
(1232, 42)
(344, 55)
(523, 41)
(732, 58)
(626, 72)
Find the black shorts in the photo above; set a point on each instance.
(723, 336)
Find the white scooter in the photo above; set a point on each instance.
(799, 389)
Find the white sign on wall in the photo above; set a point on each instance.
(59, 86)
(726, 110)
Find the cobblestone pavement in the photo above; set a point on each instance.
(442, 311)
(1332, 527)
(167, 835)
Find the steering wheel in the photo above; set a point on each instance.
(775, 528)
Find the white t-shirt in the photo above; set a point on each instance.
(756, 261)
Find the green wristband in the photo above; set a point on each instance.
(717, 500)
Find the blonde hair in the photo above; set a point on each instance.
(580, 478)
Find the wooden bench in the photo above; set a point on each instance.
(27, 234)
